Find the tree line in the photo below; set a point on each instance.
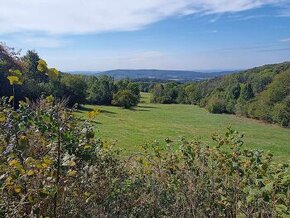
(78, 89)
(262, 93)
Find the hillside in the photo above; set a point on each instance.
(175, 75)
(262, 93)
(148, 122)
(54, 163)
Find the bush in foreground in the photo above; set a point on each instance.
(52, 165)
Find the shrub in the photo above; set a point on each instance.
(52, 165)
(50, 162)
(281, 114)
(202, 181)
(216, 105)
(125, 99)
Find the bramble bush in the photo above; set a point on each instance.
(49, 161)
(52, 165)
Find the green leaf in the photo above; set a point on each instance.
(281, 208)
(269, 187)
(15, 72)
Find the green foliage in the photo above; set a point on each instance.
(100, 90)
(52, 165)
(281, 114)
(157, 93)
(74, 89)
(11, 69)
(148, 122)
(168, 93)
(272, 104)
(217, 105)
(252, 93)
(223, 181)
(37, 79)
(125, 98)
(103, 90)
(46, 155)
(246, 92)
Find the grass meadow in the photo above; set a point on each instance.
(129, 129)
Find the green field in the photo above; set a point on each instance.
(149, 122)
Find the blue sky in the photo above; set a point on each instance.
(159, 34)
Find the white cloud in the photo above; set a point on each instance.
(285, 40)
(100, 61)
(94, 16)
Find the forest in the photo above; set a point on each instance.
(33, 82)
(262, 93)
(54, 164)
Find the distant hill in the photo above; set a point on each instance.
(153, 74)
(176, 75)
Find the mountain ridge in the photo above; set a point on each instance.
(175, 75)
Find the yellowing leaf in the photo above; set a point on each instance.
(17, 189)
(47, 160)
(14, 80)
(30, 198)
(27, 100)
(29, 161)
(42, 66)
(71, 163)
(30, 172)
(44, 165)
(87, 146)
(72, 172)
(9, 181)
(50, 98)
(39, 165)
(92, 114)
(52, 73)
(13, 163)
(11, 99)
(17, 165)
(2, 117)
(86, 194)
(23, 141)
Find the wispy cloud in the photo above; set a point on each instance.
(285, 40)
(215, 19)
(34, 40)
(94, 16)
(251, 17)
(256, 48)
(43, 41)
(285, 12)
(111, 60)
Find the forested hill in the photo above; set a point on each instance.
(175, 75)
(262, 93)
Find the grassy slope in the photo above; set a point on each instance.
(150, 122)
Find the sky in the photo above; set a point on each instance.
(98, 35)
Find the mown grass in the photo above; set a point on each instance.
(150, 122)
